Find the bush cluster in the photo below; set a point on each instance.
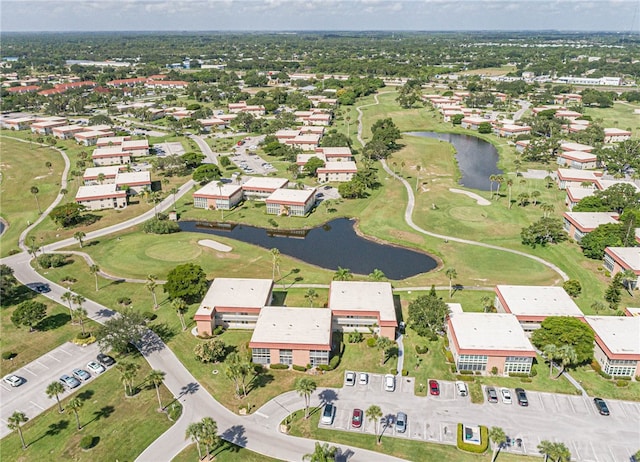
(160, 225)
(371, 342)
(422, 349)
(149, 316)
(622, 383)
(475, 448)
(299, 368)
(219, 330)
(465, 378)
(279, 366)
(51, 260)
(86, 442)
(405, 372)
(8, 355)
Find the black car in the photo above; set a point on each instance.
(601, 406)
(42, 288)
(492, 396)
(105, 360)
(522, 397)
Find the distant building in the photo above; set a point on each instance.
(337, 171)
(100, 197)
(291, 202)
(575, 194)
(100, 175)
(136, 182)
(579, 224)
(618, 259)
(574, 177)
(579, 160)
(616, 135)
(262, 187)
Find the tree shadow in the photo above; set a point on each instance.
(397, 304)
(189, 389)
(53, 322)
(151, 342)
(102, 413)
(53, 430)
(21, 293)
(235, 436)
(260, 380)
(279, 297)
(343, 456)
(163, 331)
(328, 396)
(86, 395)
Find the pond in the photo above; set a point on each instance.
(477, 159)
(334, 244)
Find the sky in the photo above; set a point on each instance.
(299, 15)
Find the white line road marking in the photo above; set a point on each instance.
(53, 357)
(6, 388)
(37, 405)
(66, 352)
(29, 371)
(40, 364)
(261, 414)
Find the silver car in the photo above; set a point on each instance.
(401, 422)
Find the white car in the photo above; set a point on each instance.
(350, 378)
(363, 379)
(389, 382)
(506, 396)
(328, 414)
(461, 387)
(13, 380)
(95, 367)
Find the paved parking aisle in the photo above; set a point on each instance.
(30, 397)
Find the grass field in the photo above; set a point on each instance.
(17, 205)
(226, 453)
(619, 116)
(398, 447)
(122, 427)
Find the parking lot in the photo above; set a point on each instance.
(247, 160)
(30, 397)
(570, 419)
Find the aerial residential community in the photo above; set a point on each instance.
(320, 246)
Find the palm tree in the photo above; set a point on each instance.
(275, 262)
(492, 179)
(194, 431)
(567, 355)
(523, 198)
(49, 165)
(321, 453)
(342, 274)
(209, 434)
(95, 269)
(305, 388)
(487, 303)
(80, 314)
(376, 275)
(75, 404)
(14, 423)
(34, 190)
(68, 297)
(100, 178)
(384, 343)
(156, 377)
(548, 181)
(547, 209)
(550, 351)
(174, 191)
(79, 300)
(311, 295)
(220, 184)
(517, 164)
(498, 437)
(546, 448)
(534, 197)
(55, 389)
(151, 286)
(561, 452)
(499, 180)
(181, 309)
(128, 372)
(451, 273)
(79, 236)
(374, 413)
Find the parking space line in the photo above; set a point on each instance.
(593, 450)
(65, 352)
(37, 361)
(53, 357)
(37, 405)
(5, 388)
(29, 371)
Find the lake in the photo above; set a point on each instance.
(334, 244)
(477, 159)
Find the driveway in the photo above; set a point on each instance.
(30, 397)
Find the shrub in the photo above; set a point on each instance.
(14, 252)
(494, 370)
(405, 372)
(86, 442)
(526, 380)
(622, 383)
(149, 316)
(466, 377)
(272, 222)
(624, 377)
(299, 368)
(83, 335)
(454, 369)
(8, 355)
(334, 362)
(534, 371)
(572, 287)
(518, 374)
(595, 365)
(279, 366)
(475, 448)
(422, 349)
(604, 375)
(218, 330)
(446, 341)
(51, 260)
(174, 411)
(204, 336)
(355, 337)
(466, 372)
(449, 356)
(160, 226)
(81, 340)
(125, 301)
(478, 373)
(323, 367)
(371, 342)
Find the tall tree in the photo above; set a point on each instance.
(209, 434)
(79, 236)
(95, 270)
(305, 388)
(498, 438)
(68, 297)
(118, 332)
(239, 369)
(275, 262)
(75, 404)
(452, 274)
(187, 281)
(550, 352)
(384, 344)
(566, 354)
(194, 431)
(128, 372)
(342, 274)
(374, 413)
(156, 377)
(151, 286)
(55, 389)
(566, 330)
(377, 275)
(15, 423)
(427, 314)
(29, 313)
(181, 309)
(311, 295)
(34, 190)
(80, 314)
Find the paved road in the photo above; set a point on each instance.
(210, 156)
(30, 397)
(524, 105)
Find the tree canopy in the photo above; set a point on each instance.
(118, 332)
(565, 330)
(206, 173)
(69, 214)
(427, 314)
(187, 281)
(547, 230)
(29, 313)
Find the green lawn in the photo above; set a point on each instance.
(122, 427)
(227, 453)
(52, 331)
(23, 166)
(619, 116)
(598, 386)
(398, 447)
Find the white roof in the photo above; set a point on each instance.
(579, 155)
(576, 174)
(591, 220)
(131, 178)
(306, 326)
(111, 150)
(633, 311)
(87, 192)
(347, 165)
(336, 151)
(304, 158)
(307, 138)
(363, 296)
(620, 334)
(109, 170)
(236, 293)
(258, 182)
(490, 331)
(629, 255)
(615, 131)
(538, 301)
(606, 184)
(212, 189)
(291, 195)
(132, 144)
(580, 193)
(455, 307)
(111, 139)
(575, 147)
(287, 133)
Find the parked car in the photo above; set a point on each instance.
(95, 367)
(389, 382)
(350, 378)
(81, 374)
(69, 382)
(401, 422)
(434, 388)
(461, 388)
(105, 360)
(601, 406)
(521, 396)
(328, 413)
(13, 380)
(363, 378)
(506, 395)
(492, 396)
(356, 418)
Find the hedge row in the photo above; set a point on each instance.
(475, 448)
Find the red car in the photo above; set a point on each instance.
(356, 419)
(434, 388)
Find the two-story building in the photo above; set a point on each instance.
(291, 202)
(617, 344)
(214, 196)
(579, 224)
(102, 196)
